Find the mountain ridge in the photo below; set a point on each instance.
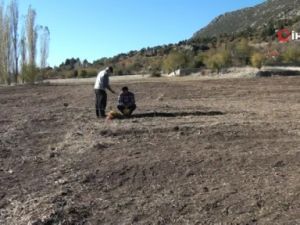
(255, 17)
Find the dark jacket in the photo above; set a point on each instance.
(126, 99)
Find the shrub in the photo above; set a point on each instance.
(87, 73)
(291, 55)
(67, 74)
(198, 60)
(75, 73)
(29, 73)
(242, 52)
(257, 60)
(83, 73)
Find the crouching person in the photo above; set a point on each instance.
(126, 103)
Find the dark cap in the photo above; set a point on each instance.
(125, 88)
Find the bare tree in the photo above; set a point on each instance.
(14, 22)
(6, 45)
(31, 40)
(11, 47)
(31, 32)
(44, 47)
(23, 52)
(2, 77)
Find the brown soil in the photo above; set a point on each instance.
(196, 152)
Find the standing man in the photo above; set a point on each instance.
(101, 84)
(126, 102)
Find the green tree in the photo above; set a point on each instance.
(218, 60)
(175, 60)
(257, 60)
(242, 51)
(155, 66)
(199, 60)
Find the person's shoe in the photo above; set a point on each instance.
(97, 113)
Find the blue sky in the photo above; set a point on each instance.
(91, 29)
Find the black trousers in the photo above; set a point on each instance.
(101, 101)
(131, 108)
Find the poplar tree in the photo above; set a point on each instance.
(6, 49)
(31, 42)
(44, 47)
(14, 22)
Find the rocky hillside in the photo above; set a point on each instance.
(255, 18)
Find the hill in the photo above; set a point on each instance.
(255, 18)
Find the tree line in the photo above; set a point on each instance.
(251, 47)
(215, 56)
(19, 45)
